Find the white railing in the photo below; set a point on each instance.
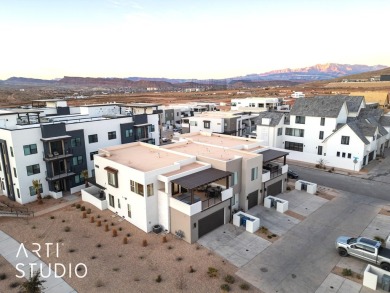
(88, 195)
(284, 169)
(226, 194)
(188, 209)
(266, 176)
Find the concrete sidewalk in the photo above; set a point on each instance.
(9, 250)
(57, 207)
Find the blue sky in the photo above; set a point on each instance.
(187, 39)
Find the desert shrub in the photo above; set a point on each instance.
(359, 276)
(120, 229)
(179, 258)
(106, 228)
(141, 257)
(164, 239)
(67, 229)
(346, 272)
(3, 276)
(93, 257)
(158, 279)
(225, 287)
(274, 235)
(192, 270)
(52, 217)
(71, 250)
(125, 240)
(120, 255)
(128, 234)
(136, 279)
(332, 169)
(84, 215)
(98, 216)
(82, 208)
(169, 247)
(105, 220)
(99, 283)
(229, 279)
(73, 205)
(89, 211)
(114, 233)
(269, 236)
(115, 269)
(378, 238)
(92, 220)
(14, 285)
(263, 229)
(78, 206)
(318, 166)
(33, 227)
(63, 221)
(197, 247)
(99, 223)
(98, 245)
(212, 272)
(244, 286)
(288, 188)
(144, 243)
(112, 224)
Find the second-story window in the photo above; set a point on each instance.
(280, 131)
(30, 149)
(112, 135)
(254, 173)
(321, 136)
(136, 187)
(128, 132)
(33, 169)
(322, 123)
(206, 124)
(112, 176)
(77, 160)
(345, 140)
(75, 142)
(300, 119)
(92, 138)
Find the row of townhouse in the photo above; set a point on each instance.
(258, 104)
(190, 187)
(339, 131)
(54, 143)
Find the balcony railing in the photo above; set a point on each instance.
(56, 155)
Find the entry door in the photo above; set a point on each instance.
(252, 199)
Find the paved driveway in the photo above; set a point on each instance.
(303, 258)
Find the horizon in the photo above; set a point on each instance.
(187, 40)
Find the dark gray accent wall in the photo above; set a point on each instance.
(63, 111)
(231, 127)
(77, 151)
(385, 78)
(7, 170)
(53, 130)
(124, 127)
(140, 119)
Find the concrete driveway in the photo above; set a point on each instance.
(303, 258)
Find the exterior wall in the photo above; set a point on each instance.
(247, 185)
(98, 111)
(216, 124)
(154, 119)
(282, 178)
(245, 104)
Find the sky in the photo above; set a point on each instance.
(187, 39)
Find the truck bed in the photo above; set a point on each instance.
(384, 252)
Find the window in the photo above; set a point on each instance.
(112, 135)
(254, 173)
(18, 192)
(193, 123)
(349, 155)
(93, 138)
(137, 187)
(345, 140)
(119, 203)
(321, 135)
(294, 146)
(295, 132)
(111, 200)
(343, 155)
(128, 132)
(280, 131)
(149, 189)
(78, 160)
(235, 178)
(319, 150)
(373, 138)
(206, 124)
(33, 169)
(33, 191)
(322, 123)
(300, 119)
(151, 128)
(30, 149)
(112, 178)
(11, 151)
(15, 175)
(75, 142)
(78, 178)
(129, 210)
(338, 154)
(91, 155)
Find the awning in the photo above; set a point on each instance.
(141, 125)
(270, 155)
(111, 170)
(55, 138)
(201, 178)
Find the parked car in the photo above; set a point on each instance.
(292, 174)
(164, 139)
(364, 248)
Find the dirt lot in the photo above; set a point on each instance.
(114, 266)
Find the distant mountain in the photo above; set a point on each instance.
(28, 81)
(312, 73)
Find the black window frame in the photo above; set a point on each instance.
(93, 138)
(91, 154)
(322, 122)
(321, 135)
(34, 169)
(319, 150)
(349, 155)
(78, 160)
(115, 177)
(111, 200)
(111, 135)
(345, 140)
(129, 133)
(338, 154)
(75, 142)
(300, 119)
(15, 174)
(280, 131)
(31, 150)
(297, 132)
(293, 146)
(206, 124)
(33, 190)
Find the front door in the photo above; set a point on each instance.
(252, 199)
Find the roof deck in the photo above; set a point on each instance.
(223, 140)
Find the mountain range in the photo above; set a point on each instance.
(284, 77)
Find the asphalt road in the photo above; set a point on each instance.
(351, 184)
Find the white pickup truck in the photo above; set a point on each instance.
(366, 249)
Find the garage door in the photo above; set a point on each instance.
(371, 156)
(211, 222)
(252, 199)
(274, 189)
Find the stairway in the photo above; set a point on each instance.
(10, 211)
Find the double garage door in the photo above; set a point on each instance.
(211, 222)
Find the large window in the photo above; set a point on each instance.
(345, 140)
(254, 173)
(295, 132)
(294, 146)
(128, 132)
(111, 200)
(322, 122)
(78, 160)
(206, 124)
(75, 142)
(33, 169)
(319, 150)
(150, 189)
(321, 136)
(112, 178)
(93, 138)
(112, 135)
(280, 131)
(78, 178)
(136, 187)
(30, 149)
(300, 119)
(33, 191)
(91, 154)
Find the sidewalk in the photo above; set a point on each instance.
(57, 207)
(9, 250)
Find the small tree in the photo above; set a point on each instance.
(33, 285)
(84, 174)
(37, 186)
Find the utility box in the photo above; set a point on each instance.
(387, 244)
(385, 283)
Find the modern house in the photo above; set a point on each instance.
(257, 104)
(190, 187)
(339, 131)
(54, 143)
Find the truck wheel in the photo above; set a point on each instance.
(343, 252)
(385, 266)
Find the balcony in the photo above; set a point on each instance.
(57, 155)
(60, 175)
(273, 170)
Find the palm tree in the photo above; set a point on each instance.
(33, 284)
(37, 186)
(84, 173)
